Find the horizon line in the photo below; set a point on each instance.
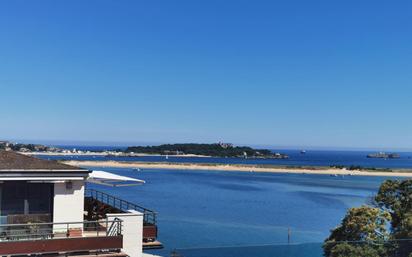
(65, 142)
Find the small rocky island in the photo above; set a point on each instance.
(383, 155)
(213, 150)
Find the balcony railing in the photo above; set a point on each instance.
(49, 230)
(149, 216)
(392, 248)
(55, 238)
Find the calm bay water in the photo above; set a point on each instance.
(200, 209)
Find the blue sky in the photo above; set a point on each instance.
(282, 73)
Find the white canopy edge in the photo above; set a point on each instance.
(110, 179)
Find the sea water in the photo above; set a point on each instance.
(215, 212)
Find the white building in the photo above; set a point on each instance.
(45, 209)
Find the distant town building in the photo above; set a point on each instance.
(225, 145)
(4, 143)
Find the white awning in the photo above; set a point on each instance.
(110, 179)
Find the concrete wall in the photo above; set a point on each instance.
(132, 230)
(68, 203)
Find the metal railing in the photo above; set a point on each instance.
(59, 230)
(390, 248)
(149, 216)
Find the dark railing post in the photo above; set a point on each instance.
(107, 226)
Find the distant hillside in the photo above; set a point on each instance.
(5, 145)
(216, 150)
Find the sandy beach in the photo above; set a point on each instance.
(244, 168)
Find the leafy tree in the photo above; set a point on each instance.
(360, 224)
(395, 197)
(364, 231)
(351, 250)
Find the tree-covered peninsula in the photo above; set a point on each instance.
(215, 150)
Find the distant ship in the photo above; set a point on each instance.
(383, 155)
(303, 152)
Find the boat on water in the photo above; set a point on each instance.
(303, 152)
(383, 155)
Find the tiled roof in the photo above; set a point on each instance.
(10, 161)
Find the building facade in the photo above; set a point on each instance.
(46, 209)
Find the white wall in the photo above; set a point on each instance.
(68, 205)
(132, 231)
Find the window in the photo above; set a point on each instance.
(26, 198)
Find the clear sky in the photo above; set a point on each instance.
(283, 73)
